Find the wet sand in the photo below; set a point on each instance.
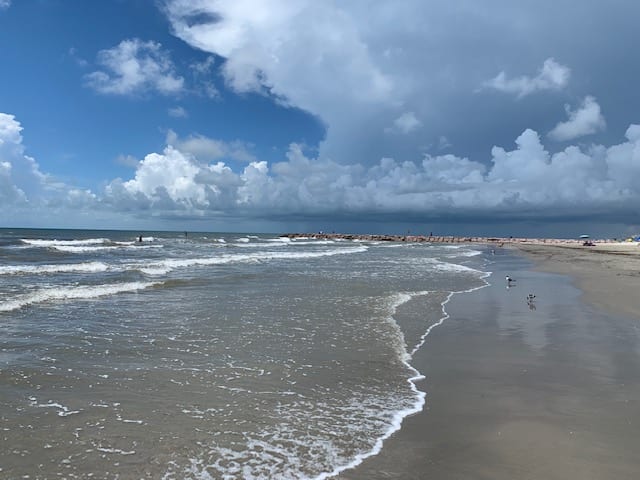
(520, 393)
(607, 273)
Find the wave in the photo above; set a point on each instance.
(88, 267)
(88, 249)
(55, 243)
(441, 266)
(282, 243)
(314, 242)
(165, 266)
(467, 253)
(72, 293)
(256, 245)
(88, 244)
(279, 240)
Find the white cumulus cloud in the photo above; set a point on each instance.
(194, 177)
(171, 174)
(526, 180)
(135, 66)
(552, 76)
(407, 123)
(261, 41)
(19, 173)
(307, 54)
(177, 112)
(26, 193)
(204, 148)
(586, 120)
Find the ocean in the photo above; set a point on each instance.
(210, 355)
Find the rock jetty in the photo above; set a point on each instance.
(390, 238)
(499, 241)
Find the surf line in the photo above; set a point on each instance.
(398, 417)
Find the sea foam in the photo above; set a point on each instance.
(72, 292)
(53, 243)
(86, 267)
(165, 266)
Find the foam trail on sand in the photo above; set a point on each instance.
(445, 315)
(399, 416)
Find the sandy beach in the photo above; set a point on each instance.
(520, 392)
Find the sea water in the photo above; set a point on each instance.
(200, 356)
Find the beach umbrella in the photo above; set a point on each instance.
(584, 236)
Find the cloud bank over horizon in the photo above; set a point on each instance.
(526, 182)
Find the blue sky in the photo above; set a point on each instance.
(496, 117)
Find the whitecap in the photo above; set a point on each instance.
(72, 292)
(165, 266)
(441, 266)
(467, 253)
(87, 267)
(55, 243)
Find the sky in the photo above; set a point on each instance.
(449, 116)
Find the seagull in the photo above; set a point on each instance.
(509, 279)
(530, 301)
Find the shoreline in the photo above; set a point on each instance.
(513, 392)
(607, 271)
(414, 381)
(603, 244)
(608, 275)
